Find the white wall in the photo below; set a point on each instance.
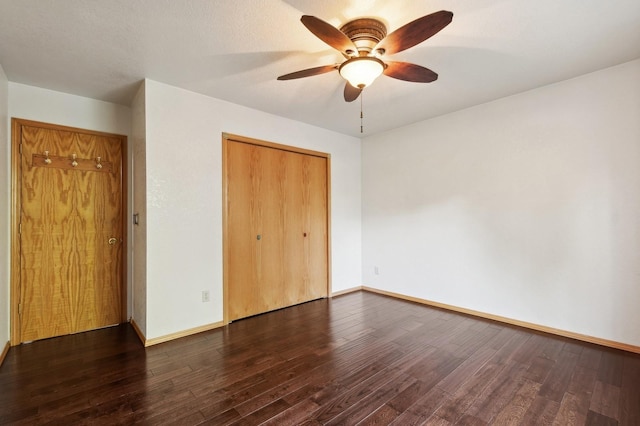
(139, 238)
(184, 200)
(37, 104)
(5, 209)
(527, 207)
(34, 103)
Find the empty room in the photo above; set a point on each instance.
(320, 212)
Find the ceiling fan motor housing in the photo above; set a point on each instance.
(365, 33)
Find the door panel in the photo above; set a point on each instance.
(70, 277)
(255, 246)
(293, 228)
(275, 242)
(315, 222)
(270, 264)
(245, 218)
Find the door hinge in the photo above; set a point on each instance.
(20, 148)
(19, 308)
(20, 228)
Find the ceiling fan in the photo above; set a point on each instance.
(364, 41)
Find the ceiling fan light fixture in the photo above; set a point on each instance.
(360, 72)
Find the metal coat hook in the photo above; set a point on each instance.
(98, 163)
(47, 160)
(74, 163)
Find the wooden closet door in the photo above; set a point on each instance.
(244, 171)
(296, 277)
(70, 272)
(315, 222)
(254, 242)
(306, 227)
(276, 243)
(269, 226)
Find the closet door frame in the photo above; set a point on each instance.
(230, 138)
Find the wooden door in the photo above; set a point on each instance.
(304, 201)
(70, 230)
(276, 223)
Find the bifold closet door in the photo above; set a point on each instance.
(276, 228)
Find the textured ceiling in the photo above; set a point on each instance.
(234, 50)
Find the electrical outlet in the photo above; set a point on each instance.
(205, 296)
(376, 270)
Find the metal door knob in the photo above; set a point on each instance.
(112, 241)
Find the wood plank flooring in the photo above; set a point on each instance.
(360, 358)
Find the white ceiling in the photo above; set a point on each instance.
(234, 50)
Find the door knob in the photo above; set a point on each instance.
(112, 241)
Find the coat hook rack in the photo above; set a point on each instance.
(72, 162)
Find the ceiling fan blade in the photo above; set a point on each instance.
(409, 72)
(329, 34)
(415, 32)
(308, 72)
(351, 93)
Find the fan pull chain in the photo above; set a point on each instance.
(361, 115)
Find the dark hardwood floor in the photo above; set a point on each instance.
(360, 358)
